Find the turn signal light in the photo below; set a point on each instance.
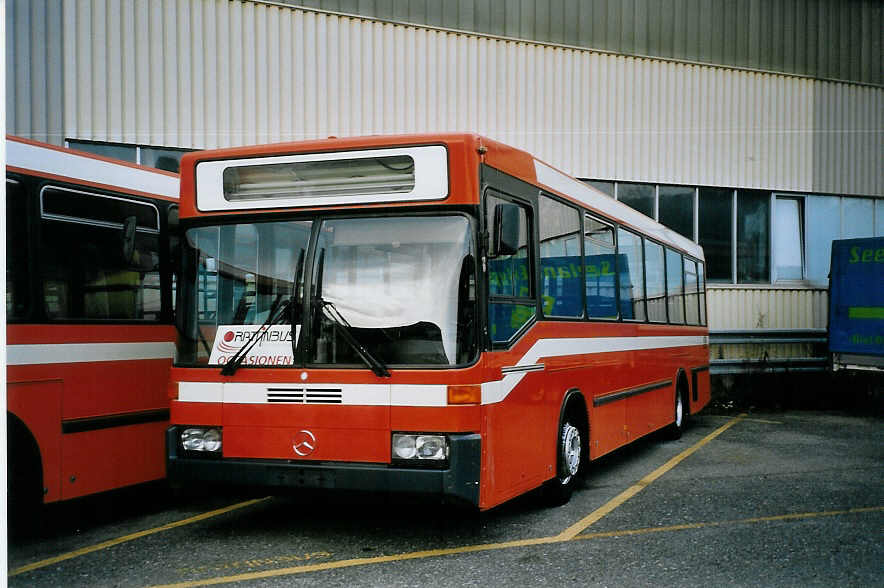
(469, 394)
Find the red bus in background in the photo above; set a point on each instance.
(440, 314)
(90, 334)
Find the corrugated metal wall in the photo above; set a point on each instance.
(208, 73)
(34, 75)
(835, 39)
(746, 308)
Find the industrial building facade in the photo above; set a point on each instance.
(754, 128)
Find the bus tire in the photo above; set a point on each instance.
(24, 479)
(680, 410)
(572, 444)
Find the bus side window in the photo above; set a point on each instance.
(17, 279)
(509, 278)
(89, 271)
(560, 273)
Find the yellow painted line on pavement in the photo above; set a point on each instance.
(568, 534)
(132, 536)
(367, 561)
(615, 502)
(753, 520)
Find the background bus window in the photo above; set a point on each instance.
(17, 295)
(630, 266)
(509, 276)
(560, 259)
(600, 266)
(691, 293)
(656, 282)
(674, 286)
(88, 271)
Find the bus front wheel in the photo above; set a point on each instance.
(571, 442)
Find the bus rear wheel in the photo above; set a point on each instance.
(675, 430)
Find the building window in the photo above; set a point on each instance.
(857, 218)
(753, 236)
(164, 158)
(638, 196)
(716, 210)
(606, 187)
(676, 207)
(788, 239)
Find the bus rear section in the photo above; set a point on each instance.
(89, 311)
(421, 314)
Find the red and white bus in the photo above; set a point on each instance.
(439, 314)
(90, 335)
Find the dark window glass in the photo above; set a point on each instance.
(606, 187)
(701, 283)
(160, 158)
(17, 295)
(509, 276)
(655, 276)
(90, 270)
(631, 274)
(121, 152)
(560, 259)
(691, 293)
(677, 209)
(674, 286)
(638, 196)
(600, 267)
(753, 236)
(716, 231)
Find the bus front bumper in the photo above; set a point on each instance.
(458, 481)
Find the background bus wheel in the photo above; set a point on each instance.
(570, 456)
(24, 480)
(681, 414)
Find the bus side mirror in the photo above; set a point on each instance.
(129, 239)
(507, 227)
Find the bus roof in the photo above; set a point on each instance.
(58, 163)
(465, 152)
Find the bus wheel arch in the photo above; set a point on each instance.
(681, 405)
(24, 472)
(572, 448)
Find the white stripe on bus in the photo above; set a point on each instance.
(50, 353)
(424, 395)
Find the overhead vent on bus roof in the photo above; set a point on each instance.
(308, 179)
(335, 178)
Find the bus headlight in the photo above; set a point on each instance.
(417, 446)
(200, 439)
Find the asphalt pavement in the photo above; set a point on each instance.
(771, 499)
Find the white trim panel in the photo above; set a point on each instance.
(576, 189)
(350, 394)
(497, 391)
(82, 168)
(42, 354)
(430, 179)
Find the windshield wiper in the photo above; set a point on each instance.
(276, 311)
(330, 311)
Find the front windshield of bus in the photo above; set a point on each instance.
(401, 288)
